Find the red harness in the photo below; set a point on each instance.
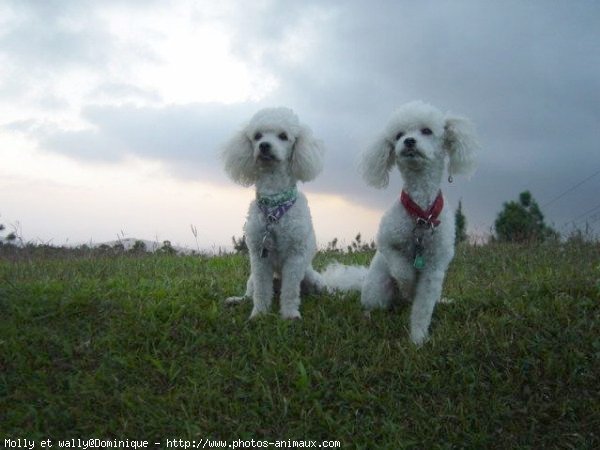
(429, 217)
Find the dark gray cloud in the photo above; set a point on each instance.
(526, 73)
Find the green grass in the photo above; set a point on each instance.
(143, 348)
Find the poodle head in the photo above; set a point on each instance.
(273, 139)
(418, 138)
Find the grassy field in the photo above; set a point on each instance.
(143, 348)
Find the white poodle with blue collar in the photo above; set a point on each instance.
(273, 152)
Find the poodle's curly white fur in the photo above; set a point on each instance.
(418, 139)
(274, 151)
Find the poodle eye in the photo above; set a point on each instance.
(399, 136)
(426, 131)
(257, 136)
(283, 137)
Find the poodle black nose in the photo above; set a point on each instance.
(264, 147)
(410, 142)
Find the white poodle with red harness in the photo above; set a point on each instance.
(415, 241)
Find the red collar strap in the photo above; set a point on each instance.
(429, 217)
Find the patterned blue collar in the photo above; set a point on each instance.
(276, 205)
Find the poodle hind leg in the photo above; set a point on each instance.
(247, 296)
(378, 289)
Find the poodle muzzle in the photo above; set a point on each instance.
(266, 152)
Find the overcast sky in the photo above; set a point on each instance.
(111, 112)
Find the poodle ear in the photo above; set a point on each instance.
(307, 156)
(461, 144)
(376, 162)
(238, 157)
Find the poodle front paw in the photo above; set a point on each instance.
(292, 314)
(257, 312)
(419, 337)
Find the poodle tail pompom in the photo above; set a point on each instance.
(338, 277)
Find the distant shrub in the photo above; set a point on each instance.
(167, 249)
(239, 245)
(9, 239)
(138, 248)
(522, 221)
(332, 246)
(357, 245)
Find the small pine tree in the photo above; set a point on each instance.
(522, 221)
(460, 222)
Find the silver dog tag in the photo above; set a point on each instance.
(267, 244)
